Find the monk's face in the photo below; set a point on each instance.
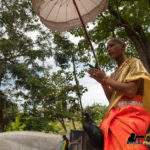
(115, 49)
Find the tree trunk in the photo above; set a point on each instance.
(61, 120)
(77, 81)
(1, 116)
(1, 106)
(141, 44)
(77, 84)
(73, 123)
(11, 125)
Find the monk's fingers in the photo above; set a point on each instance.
(92, 76)
(91, 72)
(93, 69)
(95, 76)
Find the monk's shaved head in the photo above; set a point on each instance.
(118, 40)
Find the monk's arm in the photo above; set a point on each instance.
(128, 89)
(108, 91)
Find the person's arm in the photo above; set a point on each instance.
(108, 91)
(128, 89)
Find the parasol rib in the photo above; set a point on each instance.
(51, 8)
(58, 10)
(82, 4)
(67, 9)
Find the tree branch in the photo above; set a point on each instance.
(126, 25)
(108, 20)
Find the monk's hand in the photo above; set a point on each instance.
(97, 74)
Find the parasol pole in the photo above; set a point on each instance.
(88, 37)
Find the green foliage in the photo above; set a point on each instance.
(19, 53)
(37, 124)
(28, 122)
(65, 52)
(9, 109)
(96, 112)
(16, 125)
(57, 128)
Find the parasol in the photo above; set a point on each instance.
(64, 15)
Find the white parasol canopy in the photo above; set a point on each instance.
(62, 15)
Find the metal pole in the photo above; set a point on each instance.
(86, 32)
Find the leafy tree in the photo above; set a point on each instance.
(65, 100)
(20, 54)
(50, 96)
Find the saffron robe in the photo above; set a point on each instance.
(120, 122)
